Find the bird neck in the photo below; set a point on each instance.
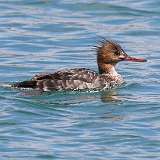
(107, 69)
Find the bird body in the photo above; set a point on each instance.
(108, 55)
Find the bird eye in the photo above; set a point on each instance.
(116, 53)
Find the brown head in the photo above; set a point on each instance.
(109, 53)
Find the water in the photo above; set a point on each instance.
(44, 36)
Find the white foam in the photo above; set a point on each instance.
(5, 85)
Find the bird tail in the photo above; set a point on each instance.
(25, 84)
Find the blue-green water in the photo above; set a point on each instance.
(43, 36)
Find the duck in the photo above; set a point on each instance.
(109, 54)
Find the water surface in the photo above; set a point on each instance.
(44, 36)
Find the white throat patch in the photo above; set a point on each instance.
(113, 72)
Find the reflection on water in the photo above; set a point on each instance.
(73, 97)
(110, 96)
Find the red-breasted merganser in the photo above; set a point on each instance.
(109, 53)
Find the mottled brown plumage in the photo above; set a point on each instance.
(109, 54)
